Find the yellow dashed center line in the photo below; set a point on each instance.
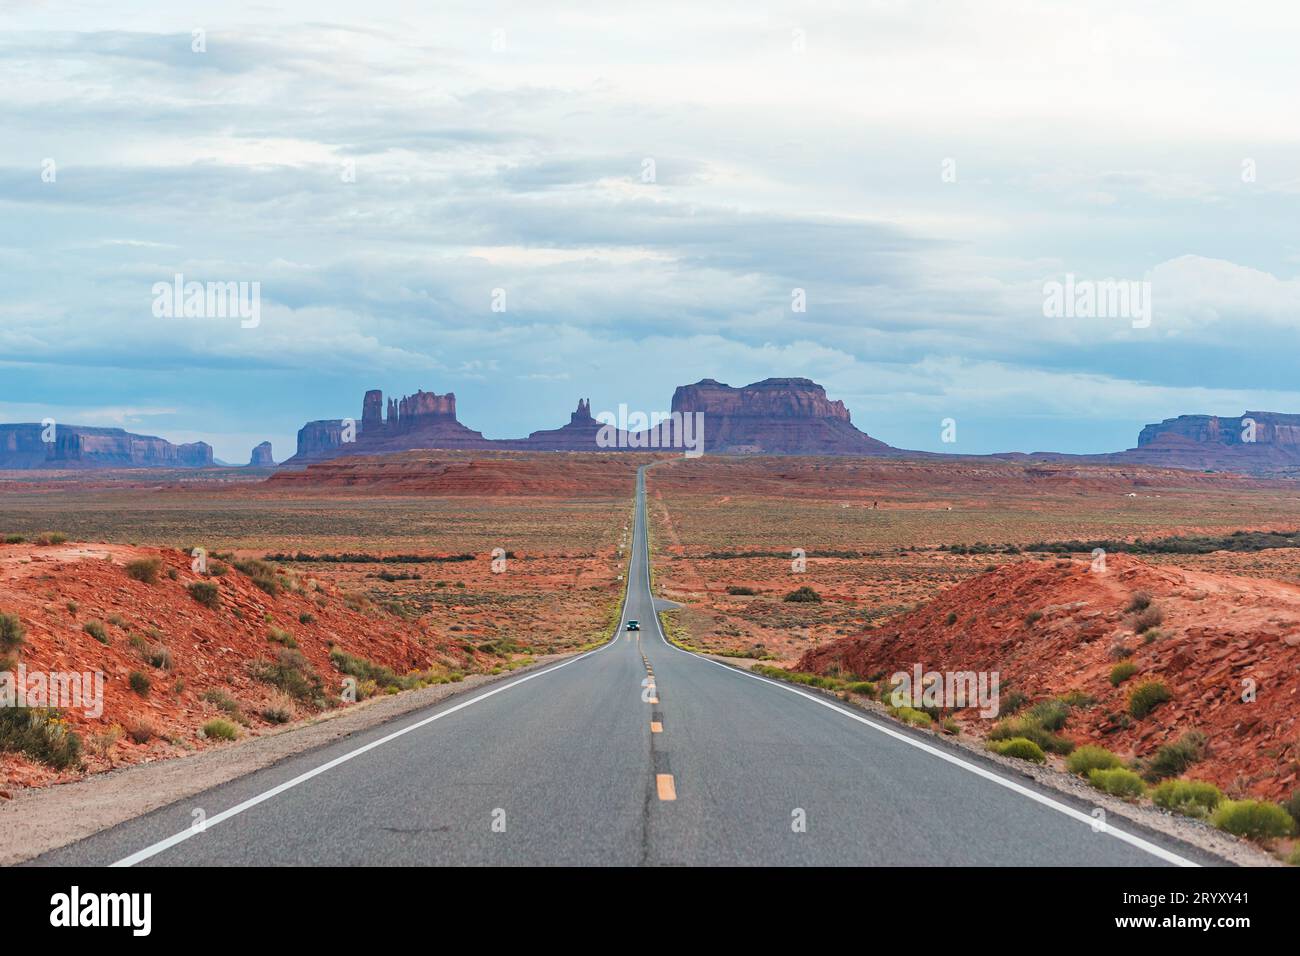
(656, 727)
(667, 789)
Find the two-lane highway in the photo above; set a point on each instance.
(634, 753)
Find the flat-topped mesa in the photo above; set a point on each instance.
(79, 446)
(772, 397)
(261, 456)
(414, 410)
(777, 416)
(1260, 428)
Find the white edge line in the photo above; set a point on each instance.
(1155, 850)
(150, 851)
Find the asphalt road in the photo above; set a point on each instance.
(634, 753)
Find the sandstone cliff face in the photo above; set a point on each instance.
(78, 446)
(261, 457)
(770, 398)
(1271, 428)
(777, 416)
(422, 420)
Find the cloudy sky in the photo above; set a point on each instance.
(920, 169)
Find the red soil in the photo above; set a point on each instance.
(1218, 632)
(211, 649)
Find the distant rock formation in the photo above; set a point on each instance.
(777, 416)
(1254, 442)
(261, 457)
(422, 420)
(22, 446)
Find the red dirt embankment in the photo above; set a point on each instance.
(56, 590)
(1054, 626)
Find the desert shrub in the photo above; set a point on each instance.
(1138, 601)
(951, 618)
(73, 607)
(1122, 672)
(277, 715)
(1091, 757)
(1013, 702)
(155, 655)
(1147, 619)
(1253, 819)
(14, 539)
(292, 673)
(1172, 759)
(46, 538)
(1049, 714)
(40, 733)
(96, 630)
(911, 716)
(12, 635)
(1118, 782)
(1292, 806)
(1033, 617)
(140, 683)
(1120, 651)
(864, 687)
(1191, 798)
(306, 617)
(117, 620)
(144, 569)
(217, 569)
(1077, 698)
(741, 591)
(1147, 697)
(281, 637)
(206, 593)
(1018, 747)
(1013, 727)
(261, 574)
(950, 726)
(219, 729)
(140, 729)
(803, 595)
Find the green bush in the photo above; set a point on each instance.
(144, 569)
(219, 729)
(96, 630)
(1174, 759)
(1118, 782)
(12, 635)
(1014, 727)
(51, 537)
(1091, 757)
(262, 574)
(206, 593)
(864, 687)
(41, 734)
(1147, 697)
(14, 539)
(280, 637)
(1292, 806)
(1253, 819)
(1018, 747)
(1122, 672)
(140, 683)
(911, 716)
(805, 595)
(1049, 714)
(293, 674)
(741, 591)
(1191, 798)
